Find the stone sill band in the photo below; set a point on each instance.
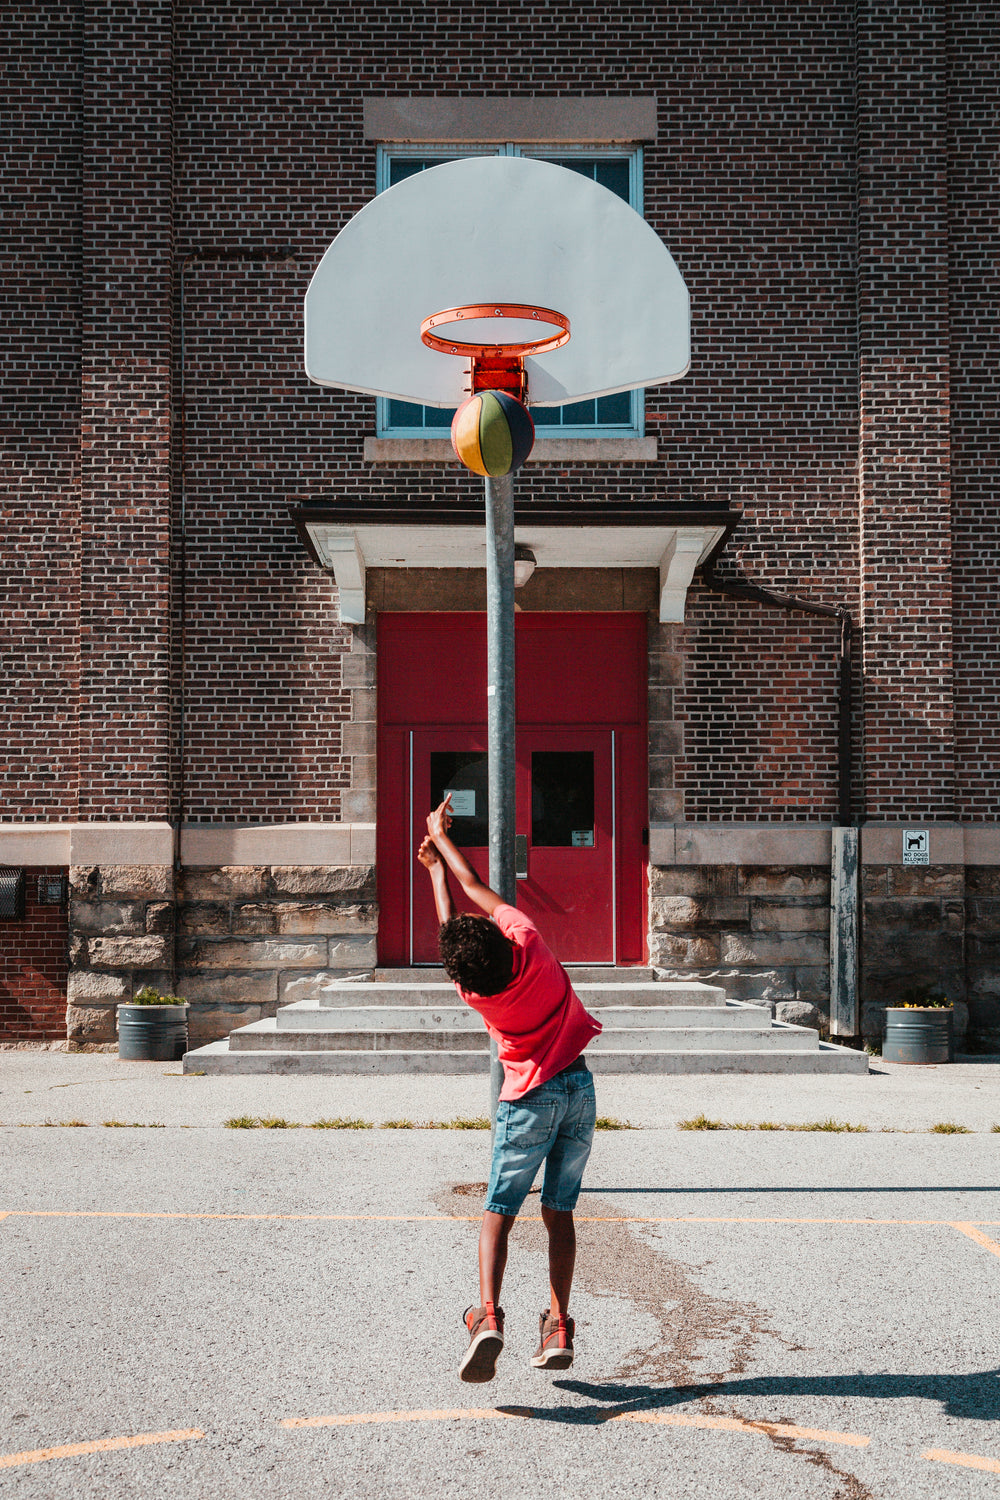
(568, 451)
(328, 844)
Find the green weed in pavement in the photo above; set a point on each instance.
(700, 1122)
(945, 1127)
(397, 1125)
(608, 1122)
(242, 1122)
(342, 1122)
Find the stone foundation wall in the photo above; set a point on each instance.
(253, 937)
(121, 925)
(762, 933)
(913, 933)
(982, 955)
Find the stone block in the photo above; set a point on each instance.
(362, 771)
(753, 986)
(363, 705)
(128, 952)
(358, 670)
(297, 919)
(206, 953)
(204, 919)
(765, 917)
(666, 738)
(708, 911)
(661, 706)
(874, 880)
(137, 882)
(783, 881)
(665, 805)
(358, 739)
(229, 989)
(218, 884)
(358, 806)
(669, 951)
(902, 916)
(982, 880)
(883, 988)
(210, 1023)
(921, 955)
(666, 669)
(160, 917)
(352, 882)
(953, 915)
(681, 880)
(352, 952)
(872, 1020)
(813, 983)
(797, 1013)
(768, 949)
(961, 1022)
(85, 881)
(90, 1023)
(982, 918)
(84, 985)
(925, 880)
(102, 917)
(661, 770)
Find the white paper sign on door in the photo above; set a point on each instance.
(463, 801)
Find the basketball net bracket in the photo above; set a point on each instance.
(496, 366)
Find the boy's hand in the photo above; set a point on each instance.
(427, 854)
(439, 821)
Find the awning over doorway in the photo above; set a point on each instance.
(348, 540)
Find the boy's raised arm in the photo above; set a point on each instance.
(438, 824)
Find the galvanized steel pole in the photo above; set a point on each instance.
(500, 706)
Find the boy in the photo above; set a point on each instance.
(547, 1107)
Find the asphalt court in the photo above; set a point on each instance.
(220, 1313)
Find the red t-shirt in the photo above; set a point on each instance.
(537, 1021)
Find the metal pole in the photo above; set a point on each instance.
(500, 706)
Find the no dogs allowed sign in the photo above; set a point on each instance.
(916, 846)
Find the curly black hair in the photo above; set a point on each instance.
(476, 954)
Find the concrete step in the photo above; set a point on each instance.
(217, 1058)
(434, 974)
(352, 992)
(306, 1015)
(263, 1034)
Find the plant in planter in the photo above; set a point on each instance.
(921, 1028)
(153, 1027)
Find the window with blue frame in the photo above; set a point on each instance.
(621, 415)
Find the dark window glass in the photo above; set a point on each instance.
(562, 798)
(464, 773)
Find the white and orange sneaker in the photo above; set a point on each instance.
(555, 1343)
(485, 1325)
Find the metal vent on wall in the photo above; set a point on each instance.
(11, 895)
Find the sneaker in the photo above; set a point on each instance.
(555, 1343)
(485, 1325)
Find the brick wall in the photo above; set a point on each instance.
(33, 968)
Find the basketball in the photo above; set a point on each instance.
(492, 434)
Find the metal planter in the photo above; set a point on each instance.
(154, 1033)
(923, 1035)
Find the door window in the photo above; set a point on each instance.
(465, 774)
(562, 799)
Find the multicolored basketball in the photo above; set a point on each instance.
(492, 433)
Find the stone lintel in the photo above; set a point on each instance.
(595, 119)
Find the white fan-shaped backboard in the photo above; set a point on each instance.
(504, 229)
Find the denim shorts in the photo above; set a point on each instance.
(553, 1123)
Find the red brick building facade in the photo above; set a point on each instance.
(191, 728)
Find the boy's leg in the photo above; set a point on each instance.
(493, 1237)
(562, 1258)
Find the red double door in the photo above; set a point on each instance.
(581, 784)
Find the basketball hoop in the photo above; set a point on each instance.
(499, 363)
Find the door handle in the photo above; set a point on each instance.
(520, 856)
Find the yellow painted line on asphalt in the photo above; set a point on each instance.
(965, 1460)
(100, 1445)
(60, 1213)
(975, 1234)
(660, 1419)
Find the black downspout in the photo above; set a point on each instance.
(845, 749)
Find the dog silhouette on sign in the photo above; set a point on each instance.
(914, 841)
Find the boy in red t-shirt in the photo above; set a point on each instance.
(502, 968)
